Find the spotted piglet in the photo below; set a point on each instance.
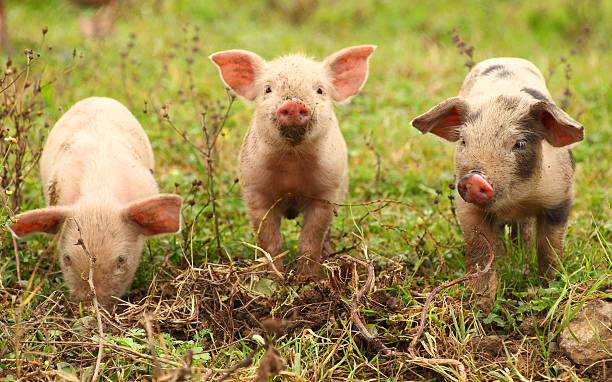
(513, 164)
(97, 175)
(294, 159)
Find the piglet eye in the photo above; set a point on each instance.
(121, 260)
(520, 144)
(268, 89)
(320, 90)
(462, 142)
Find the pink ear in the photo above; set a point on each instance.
(238, 69)
(156, 215)
(44, 220)
(444, 119)
(349, 70)
(560, 128)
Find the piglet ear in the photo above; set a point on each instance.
(44, 220)
(444, 119)
(348, 70)
(156, 215)
(559, 128)
(239, 70)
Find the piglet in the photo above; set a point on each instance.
(97, 175)
(294, 159)
(513, 164)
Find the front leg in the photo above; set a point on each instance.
(266, 225)
(318, 216)
(480, 231)
(552, 226)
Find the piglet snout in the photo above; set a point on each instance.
(293, 112)
(474, 188)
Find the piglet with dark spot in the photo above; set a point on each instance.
(513, 163)
(95, 170)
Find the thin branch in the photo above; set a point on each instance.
(448, 284)
(96, 307)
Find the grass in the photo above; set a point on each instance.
(209, 304)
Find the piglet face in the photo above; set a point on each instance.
(294, 95)
(113, 235)
(499, 145)
(115, 244)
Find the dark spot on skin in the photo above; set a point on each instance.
(528, 159)
(67, 260)
(491, 68)
(53, 193)
(572, 159)
(121, 260)
(497, 70)
(535, 94)
(557, 215)
(151, 171)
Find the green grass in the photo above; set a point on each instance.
(157, 56)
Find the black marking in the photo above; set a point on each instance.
(492, 68)
(536, 94)
(557, 215)
(151, 171)
(572, 159)
(497, 70)
(67, 260)
(529, 158)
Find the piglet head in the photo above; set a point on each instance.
(113, 235)
(499, 144)
(294, 95)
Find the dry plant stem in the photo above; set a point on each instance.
(377, 344)
(448, 284)
(96, 307)
(151, 340)
(17, 262)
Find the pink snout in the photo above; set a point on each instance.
(474, 188)
(293, 112)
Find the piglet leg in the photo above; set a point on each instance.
(551, 229)
(480, 232)
(318, 217)
(266, 225)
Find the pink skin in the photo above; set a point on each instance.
(293, 112)
(294, 159)
(97, 177)
(474, 188)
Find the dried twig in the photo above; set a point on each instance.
(448, 284)
(410, 357)
(151, 341)
(96, 307)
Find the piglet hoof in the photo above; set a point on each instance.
(485, 289)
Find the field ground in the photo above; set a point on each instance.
(205, 306)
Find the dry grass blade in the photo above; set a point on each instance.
(95, 305)
(436, 290)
